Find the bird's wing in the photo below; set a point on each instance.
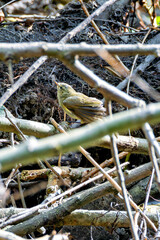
(87, 109)
(82, 100)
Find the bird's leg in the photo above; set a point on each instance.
(59, 160)
(64, 116)
(107, 107)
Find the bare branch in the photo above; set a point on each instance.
(51, 216)
(37, 49)
(29, 151)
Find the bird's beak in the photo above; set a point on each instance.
(56, 83)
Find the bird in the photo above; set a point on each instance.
(79, 106)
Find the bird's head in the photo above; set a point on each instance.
(64, 90)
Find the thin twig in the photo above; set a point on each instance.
(78, 200)
(82, 150)
(93, 23)
(59, 160)
(111, 180)
(21, 192)
(104, 164)
(15, 125)
(87, 21)
(147, 196)
(108, 91)
(22, 80)
(153, 142)
(135, 60)
(10, 71)
(12, 139)
(4, 5)
(123, 186)
(22, 216)
(56, 173)
(11, 175)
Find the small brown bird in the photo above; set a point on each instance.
(79, 106)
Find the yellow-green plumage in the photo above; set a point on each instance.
(79, 106)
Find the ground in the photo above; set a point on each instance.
(37, 99)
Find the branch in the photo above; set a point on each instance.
(125, 143)
(100, 218)
(53, 215)
(28, 127)
(37, 49)
(9, 236)
(29, 151)
(41, 130)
